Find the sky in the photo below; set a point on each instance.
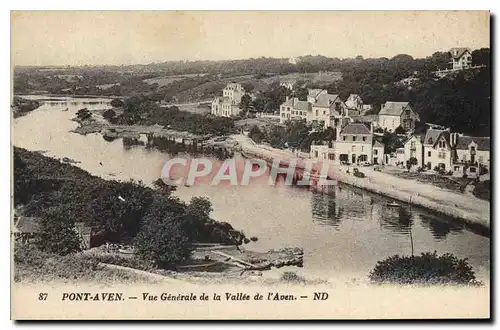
(141, 37)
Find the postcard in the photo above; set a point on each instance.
(250, 165)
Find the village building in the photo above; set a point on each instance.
(329, 109)
(461, 58)
(354, 145)
(414, 148)
(288, 84)
(228, 104)
(470, 151)
(293, 109)
(355, 104)
(397, 114)
(438, 151)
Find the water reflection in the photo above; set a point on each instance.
(440, 228)
(397, 219)
(325, 210)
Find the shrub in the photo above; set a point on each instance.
(428, 268)
(57, 233)
(163, 241)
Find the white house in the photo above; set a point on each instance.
(228, 104)
(438, 151)
(378, 153)
(395, 114)
(234, 91)
(471, 150)
(414, 148)
(355, 104)
(293, 108)
(224, 107)
(327, 108)
(461, 58)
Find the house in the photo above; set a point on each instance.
(354, 144)
(354, 104)
(25, 228)
(293, 108)
(288, 84)
(234, 91)
(470, 150)
(224, 107)
(414, 148)
(228, 104)
(438, 151)
(396, 114)
(313, 94)
(327, 107)
(461, 58)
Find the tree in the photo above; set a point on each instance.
(256, 134)
(57, 233)
(162, 240)
(481, 57)
(245, 102)
(411, 162)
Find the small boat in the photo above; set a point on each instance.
(393, 204)
(65, 109)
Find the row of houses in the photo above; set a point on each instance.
(453, 152)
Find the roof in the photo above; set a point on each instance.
(296, 104)
(325, 100)
(483, 143)
(378, 144)
(433, 135)
(27, 225)
(457, 52)
(420, 137)
(356, 128)
(314, 92)
(393, 108)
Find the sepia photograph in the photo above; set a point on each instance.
(257, 165)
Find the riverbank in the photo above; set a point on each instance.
(473, 211)
(21, 106)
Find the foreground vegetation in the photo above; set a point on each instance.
(428, 268)
(161, 227)
(21, 106)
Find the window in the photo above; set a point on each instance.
(288, 109)
(362, 148)
(456, 168)
(316, 112)
(412, 144)
(364, 138)
(331, 156)
(337, 105)
(375, 152)
(408, 113)
(353, 148)
(316, 153)
(324, 112)
(472, 169)
(354, 137)
(343, 138)
(428, 153)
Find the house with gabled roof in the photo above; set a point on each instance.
(327, 108)
(438, 151)
(469, 150)
(461, 58)
(355, 104)
(293, 109)
(397, 114)
(414, 148)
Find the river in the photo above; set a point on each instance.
(343, 234)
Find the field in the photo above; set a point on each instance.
(165, 80)
(326, 77)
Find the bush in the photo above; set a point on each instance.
(428, 268)
(57, 233)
